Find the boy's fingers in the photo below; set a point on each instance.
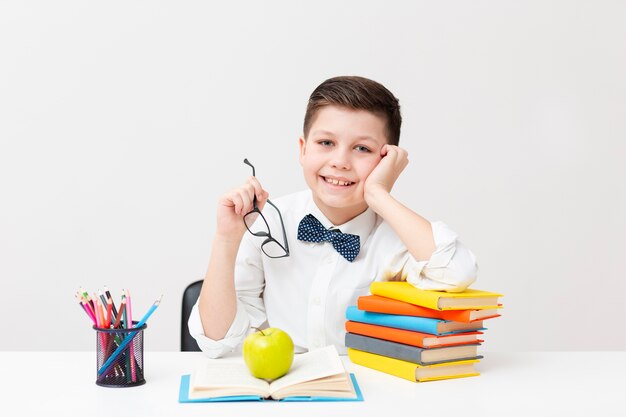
(242, 198)
(237, 202)
(396, 153)
(263, 196)
(258, 189)
(392, 150)
(248, 188)
(246, 199)
(262, 200)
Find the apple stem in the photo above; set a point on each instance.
(258, 330)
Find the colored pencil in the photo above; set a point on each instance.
(129, 310)
(97, 315)
(86, 304)
(100, 325)
(86, 295)
(126, 326)
(102, 297)
(122, 311)
(85, 309)
(100, 309)
(105, 367)
(89, 312)
(106, 291)
(133, 370)
(109, 312)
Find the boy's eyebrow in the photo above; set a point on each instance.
(323, 132)
(328, 133)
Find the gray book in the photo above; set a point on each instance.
(410, 353)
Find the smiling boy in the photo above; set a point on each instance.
(345, 231)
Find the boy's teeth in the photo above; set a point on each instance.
(337, 182)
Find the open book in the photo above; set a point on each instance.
(318, 375)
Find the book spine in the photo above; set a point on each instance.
(407, 337)
(384, 347)
(390, 366)
(417, 324)
(379, 304)
(408, 370)
(386, 333)
(404, 291)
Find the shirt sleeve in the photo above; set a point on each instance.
(452, 267)
(249, 284)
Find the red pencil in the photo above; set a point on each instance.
(108, 294)
(109, 310)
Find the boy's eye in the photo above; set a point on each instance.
(362, 148)
(325, 142)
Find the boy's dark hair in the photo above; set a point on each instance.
(356, 93)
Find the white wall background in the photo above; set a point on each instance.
(122, 122)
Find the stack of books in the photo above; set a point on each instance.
(416, 334)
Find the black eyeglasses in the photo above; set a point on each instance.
(270, 246)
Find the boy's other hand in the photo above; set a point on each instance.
(234, 205)
(382, 178)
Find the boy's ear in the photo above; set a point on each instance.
(302, 143)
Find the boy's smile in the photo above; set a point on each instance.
(342, 148)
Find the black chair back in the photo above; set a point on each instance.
(190, 296)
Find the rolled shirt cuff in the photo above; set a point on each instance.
(452, 267)
(231, 341)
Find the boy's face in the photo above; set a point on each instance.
(342, 148)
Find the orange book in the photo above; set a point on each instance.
(379, 304)
(409, 337)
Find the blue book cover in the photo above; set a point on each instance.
(183, 395)
(414, 323)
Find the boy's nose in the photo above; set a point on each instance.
(340, 162)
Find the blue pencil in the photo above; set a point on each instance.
(105, 367)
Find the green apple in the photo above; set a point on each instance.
(268, 353)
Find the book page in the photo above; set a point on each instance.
(229, 376)
(309, 366)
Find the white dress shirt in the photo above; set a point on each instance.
(306, 294)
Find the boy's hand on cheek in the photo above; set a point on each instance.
(234, 205)
(384, 175)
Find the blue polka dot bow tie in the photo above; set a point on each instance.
(311, 230)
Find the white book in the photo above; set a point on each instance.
(317, 373)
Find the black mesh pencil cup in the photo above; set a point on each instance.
(120, 357)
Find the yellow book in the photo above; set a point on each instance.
(413, 371)
(436, 300)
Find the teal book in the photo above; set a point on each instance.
(414, 323)
(318, 375)
(410, 353)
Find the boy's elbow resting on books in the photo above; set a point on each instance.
(450, 279)
(460, 278)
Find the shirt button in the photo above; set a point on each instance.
(329, 259)
(316, 301)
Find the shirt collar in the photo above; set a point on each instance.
(361, 225)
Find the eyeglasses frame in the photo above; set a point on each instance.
(267, 235)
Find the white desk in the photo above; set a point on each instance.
(532, 384)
